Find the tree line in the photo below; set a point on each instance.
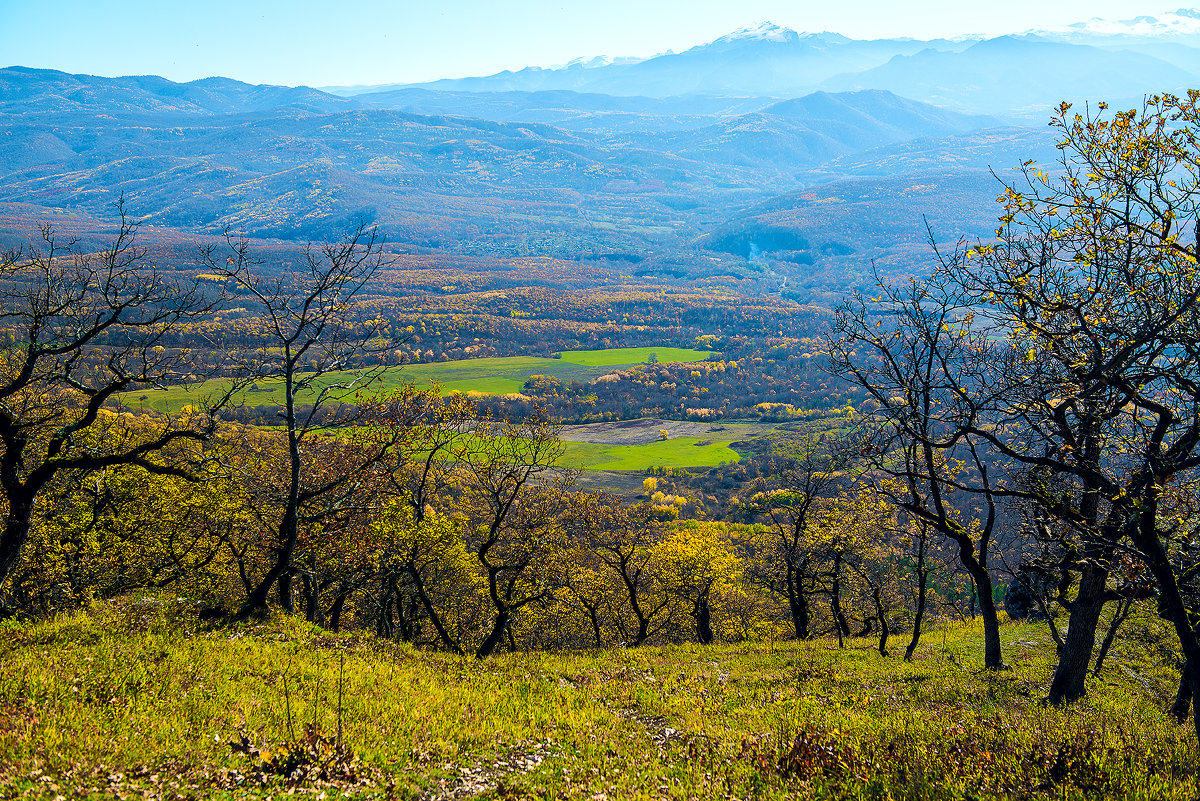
(1041, 386)
(416, 516)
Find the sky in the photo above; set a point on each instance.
(300, 42)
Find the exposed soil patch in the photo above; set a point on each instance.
(626, 484)
(486, 777)
(655, 726)
(642, 432)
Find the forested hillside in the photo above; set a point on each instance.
(790, 416)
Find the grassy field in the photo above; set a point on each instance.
(617, 357)
(681, 452)
(495, 376)
(635, 444)
(138, 701)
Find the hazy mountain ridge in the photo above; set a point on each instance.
(24, 90)
(1008, 73)
(1181, 23)
(782, 64)
(213, 156)
(787, 137)
(697, 182)
(1115, 60)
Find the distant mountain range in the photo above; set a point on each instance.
(789, 159)
(1010, 74)
(24, 90)
(1021, 74)
(213, 153)
(1183, 23)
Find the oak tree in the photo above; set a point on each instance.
(80, 328)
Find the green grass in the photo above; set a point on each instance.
(615, 357)
(680, 452)
(675, 452)
(494, 376)
(135, 700)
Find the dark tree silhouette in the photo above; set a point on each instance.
(312, 338)
(81, 329)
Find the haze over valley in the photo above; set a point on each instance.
(782, 159)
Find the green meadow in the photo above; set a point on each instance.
(498, 376)
(617, 357)
(493, 376)
(684, 451)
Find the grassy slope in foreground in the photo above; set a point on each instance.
(121, 702)
(494, 376)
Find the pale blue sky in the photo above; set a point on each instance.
(376, 41)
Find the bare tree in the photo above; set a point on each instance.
(921, 570)
(421, 470)
(787, 564)
(622, 538)
(515, 495)
(1093, 275)
(312, 339)
(82, 328)
(916, 352)
(1085, 313)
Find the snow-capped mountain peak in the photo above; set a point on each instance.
(1181, 22)
(598, 61)
(764, 31)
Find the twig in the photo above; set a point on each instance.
(341, 677)
(287, 699)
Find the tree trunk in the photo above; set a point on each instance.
(595, 626)
(1051, 623)
(289, 524)
(704, 632)
(1069, 682)
(840, 614)
(643, 630)
(284, 588)
(427, 603)
(643, 621)
(1148, 543)
(981, 590)
(16, 531)
(798, 605)
(289, 534)
(239, 558)
(1111, 635)
(312, 600)
(384, 627)
(489, 645)
(835, 602)
(884, 628)
(1183, 697)
(335, 613)
(922, 578)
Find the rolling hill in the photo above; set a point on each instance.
(24, 90)
(216, 154)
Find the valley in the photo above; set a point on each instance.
(787, 414)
